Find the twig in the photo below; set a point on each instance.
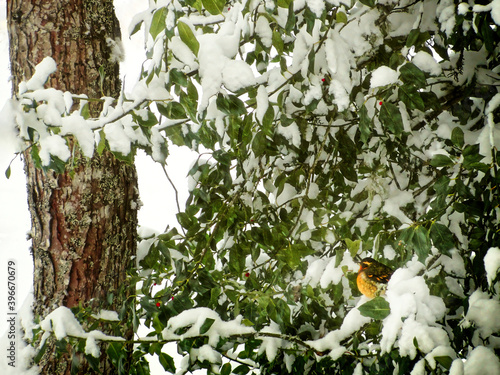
(173, 186)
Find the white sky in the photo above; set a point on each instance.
(159, 207)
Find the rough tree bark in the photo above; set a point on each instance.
(83, 220)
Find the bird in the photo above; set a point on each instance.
(373, 277)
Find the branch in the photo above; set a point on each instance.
(454, 97)
(152, 340)
(173, 186)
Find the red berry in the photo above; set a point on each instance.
(380, 102)
(323, 79)
(158, 304)
(154, 284)
(247, 274)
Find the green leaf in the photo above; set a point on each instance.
(176, 76)
(346, 147)
(40, 353)
(206, 325)
(56, 164)
(431, 101)
(230, 105)
(457, 137)
(75, 364)
(158, 22)
(175, 134)
(353, 246)
(444, 361)
(167, 362)
(137, 27)
(341, 17)
(440, 160)
(184, 220)
(192, 92)
(365, 124)
(141, 367)
(442, 185)
(214, 7)
(278, 42)
(197, 4)
(284, 3)
(421, 243)
(7, 172)
(148, 122)
(94, 362)
(290, 21)
(412, 75)
(247, 322)
(102, 142)
(348, 171)
(188, 37)
(409, 95)
(406, 236)
(172, 110)
(225, 369)
(267, 121)
(36, 155)
(241, 370)
(412, 37)
(85, 111)
(377, 308)
(116, 355)
(391, 118)
(442, 238)
(259, 143)
(370, 3)
(489, 35)
(189, 101)
(472, 157)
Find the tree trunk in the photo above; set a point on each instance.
(83, 220)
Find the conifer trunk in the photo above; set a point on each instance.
(84, 220)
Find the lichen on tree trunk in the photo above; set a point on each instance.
(83, 220)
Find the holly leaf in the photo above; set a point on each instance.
(167, 362)
(365, 124)
(412, 75)
(377, 308)
(172, 110)
(441, 237)
(391, 118)
(441, 160)
(230, 105)
(421, 243)
(411, 97)
(457, 137)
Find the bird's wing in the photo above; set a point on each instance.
(381, 277)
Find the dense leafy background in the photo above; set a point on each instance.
(326, 132)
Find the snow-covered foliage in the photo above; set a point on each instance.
(332, 130)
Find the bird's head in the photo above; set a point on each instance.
(365, 263)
